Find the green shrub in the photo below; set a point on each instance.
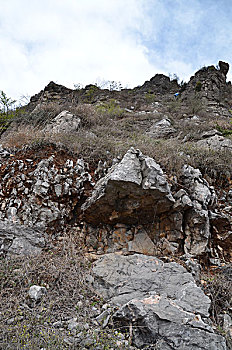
(110, 109)
(90, 93)
(225, 132)
(150, 97)
(198, 86)
(6, 111)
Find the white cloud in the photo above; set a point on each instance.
(78, 41)
(69, 42)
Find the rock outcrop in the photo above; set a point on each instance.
(132, 208)
(41, 192)
(64, 122)
(160, 83)
(159, 302)
(134, 191)
(162, 129)
(216, 142)
(209, 87)
(51, 93)
(196, 221)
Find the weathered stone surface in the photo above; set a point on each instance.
(133, 191)
(197, 231)
(142, 243)
(198, 188)
(159, 321)
(122, 278)
(159, 301)
(37, 292)
(160, 83)
(196, 219)
(65, 122)
(52, 92)
(221, 242)
(20, 240)
(162, 129)
(216, 142)
(207, 87)
(41, 193)
(224, 67)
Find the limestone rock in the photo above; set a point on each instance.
(159, 321)
(161, 129)
(216, 142)
(224, 67)
(20, 240)
(159, 301)
(196, 220)
(208, 83)
(221, 241)
(197, 231)
(123, 278)
(160, 83)
(198, 188)
(133, 191)
(142, 243)
(37, 292)
(65, 122)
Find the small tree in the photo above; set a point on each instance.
(6, 111)
(6, 103)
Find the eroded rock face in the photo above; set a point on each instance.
(216, 142)
(122, 278)
(160, 83)
(196, 219)
(130, 209)
(209, 89)
(133, 191)
(41, 193)
(224, 67)
(160, 301)
(65, 122)
(221, 243)
(162, 129)
(52, 93)
(20, 240)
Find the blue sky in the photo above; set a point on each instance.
(84, 41)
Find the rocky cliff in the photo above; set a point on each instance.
(141, 178)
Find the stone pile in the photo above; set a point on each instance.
(40, 195)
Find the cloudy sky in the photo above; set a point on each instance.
(84, 41)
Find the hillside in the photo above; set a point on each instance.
(96, 182)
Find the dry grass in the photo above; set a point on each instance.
(217, 285)
(104, 137)
(62, 270)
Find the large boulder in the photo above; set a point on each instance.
(134, 191)
(158, 301)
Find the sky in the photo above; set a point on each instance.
(128, 41)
